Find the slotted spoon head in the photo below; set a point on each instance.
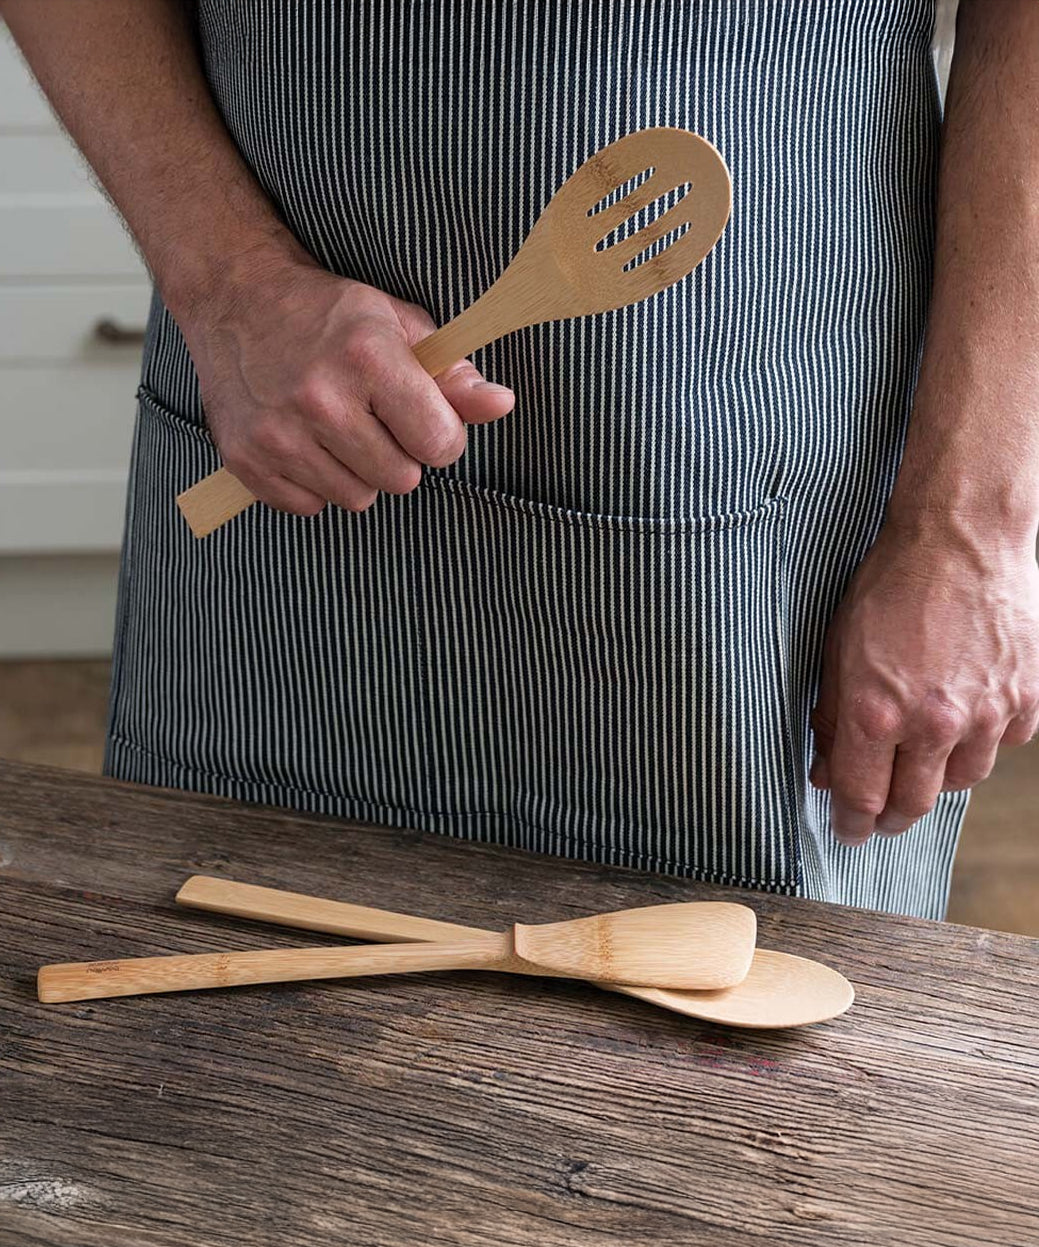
(577, 277)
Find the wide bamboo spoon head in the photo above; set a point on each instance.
(780, 989)
(665, 945)
(582, 256)
(702, 945)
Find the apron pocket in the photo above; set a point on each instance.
(274, 660)
(606, 687)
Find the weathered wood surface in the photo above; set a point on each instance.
(468, 1109)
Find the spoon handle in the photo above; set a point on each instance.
(312, 913)
(494, 314)
(94, 980)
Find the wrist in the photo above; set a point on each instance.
(970, 470)
(972, 531)
(212, 280)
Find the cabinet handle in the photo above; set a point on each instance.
(109, 330)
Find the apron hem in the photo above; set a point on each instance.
(464, 826)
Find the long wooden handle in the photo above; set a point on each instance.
(94, 980)
(211, 502)
(312, 913)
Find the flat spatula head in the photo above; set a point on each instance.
(594, 257)
(780, 990)
(699, 946)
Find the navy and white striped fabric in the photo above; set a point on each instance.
(599, 633)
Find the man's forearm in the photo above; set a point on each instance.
(125, 78)
(972, 453)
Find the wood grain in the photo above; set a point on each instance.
(477, 1109)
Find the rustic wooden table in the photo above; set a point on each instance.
(469, 1109)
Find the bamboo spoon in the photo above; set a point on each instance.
(705, 944)
(780, 989)
(558, 272)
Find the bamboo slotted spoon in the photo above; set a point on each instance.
(560, 271)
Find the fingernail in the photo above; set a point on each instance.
(849, 842)
(491, 387)
(846, 834)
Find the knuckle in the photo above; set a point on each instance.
(958, 778)
(239, 462)
(403, 478)
(365, 348)
(912, 808)
(314, 398)
(866, 804)
(942, 723)
(291, 503)
(359, 500)
(271, 438)
(1019, 732)
(987, 720)
(877, 719)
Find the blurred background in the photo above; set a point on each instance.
(73, 304)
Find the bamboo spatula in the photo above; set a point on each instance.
(780, 990)
(705, 944)
(560, 271)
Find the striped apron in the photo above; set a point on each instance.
(599, 633)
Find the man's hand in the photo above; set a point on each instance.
(933, 657)
(313, 394)
(932, 661)
(308, 381)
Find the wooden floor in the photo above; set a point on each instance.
(54, 713)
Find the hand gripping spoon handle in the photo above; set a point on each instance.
(560, 271)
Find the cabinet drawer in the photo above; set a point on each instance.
(65, 433)
(67, 417)
(32, 164)
(60, 323)
(55, 236)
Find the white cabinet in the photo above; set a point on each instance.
(73, 300)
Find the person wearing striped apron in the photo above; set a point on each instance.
(599, 632)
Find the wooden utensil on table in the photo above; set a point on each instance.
(560, 271)
(780, 990)
(705, 944)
